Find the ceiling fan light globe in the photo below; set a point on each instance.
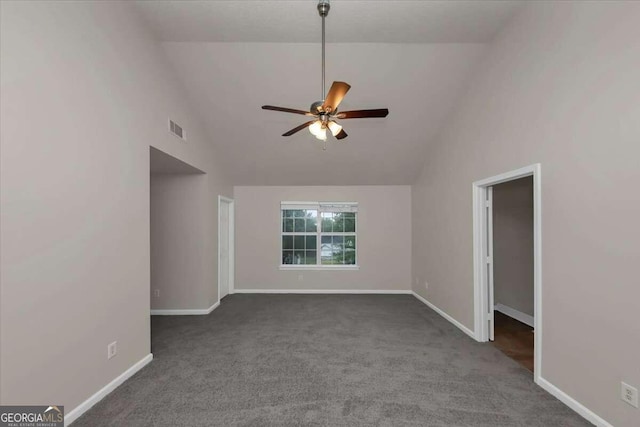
(334, 127)
(322, 134)
(315, 128)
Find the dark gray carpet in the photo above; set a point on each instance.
(325, 360)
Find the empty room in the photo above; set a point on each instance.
(319, 212)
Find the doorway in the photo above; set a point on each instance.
(512, 329)
(226, 261)
(512, 229)
(177, 193)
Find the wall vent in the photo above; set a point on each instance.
(177, 130)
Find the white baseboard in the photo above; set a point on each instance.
(446, 316)
(323, 291)
(185, 311)
(582, 410)
(518, 315)
(100, 394)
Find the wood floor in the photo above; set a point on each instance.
(515, 339)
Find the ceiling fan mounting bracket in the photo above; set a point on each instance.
(323, 7)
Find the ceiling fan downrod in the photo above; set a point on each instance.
(323, 10)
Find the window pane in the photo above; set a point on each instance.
(350, 250)
(299, 213)
(298, 257)
(298, 242)
(298, 225)
(338, 222)
(288, 213)
(349, 215)
(350, 242)
(310, 257)
(287, 225)
(311, 243)
(338, 250)
(311, 214)
(326, 249)
(332, 250)
(312, 225)
(350, 256)
(327, 222)
(336, 258)
(287, 242)
(350, 225)
(287, 257)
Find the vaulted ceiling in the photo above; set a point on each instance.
(413, 57)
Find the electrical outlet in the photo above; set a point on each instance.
(300, 277)
(629, 394)
(112, 349)
(416, 280)
(426, 285)
(156, 293)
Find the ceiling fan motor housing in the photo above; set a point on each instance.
(316, 107)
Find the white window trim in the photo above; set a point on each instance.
(318, 207)
(318, 267)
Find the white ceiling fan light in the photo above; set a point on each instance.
(322, 135)
(318, 130)
(315, 128)
(334, 127)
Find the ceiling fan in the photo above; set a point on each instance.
(325, 112)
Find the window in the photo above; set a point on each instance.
(318, 234)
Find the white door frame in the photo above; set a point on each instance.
(232, 239)
(480, 281)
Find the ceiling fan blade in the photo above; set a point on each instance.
(334, 97)
(299, 128)
(287, 110)
(341, 135)
(362, 114)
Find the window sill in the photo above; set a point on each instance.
(297, 267)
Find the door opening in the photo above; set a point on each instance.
(507, 264)
(176, 192)
(511, 281)
(226, 262)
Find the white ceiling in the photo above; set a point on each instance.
(297, 21)
(419, 82)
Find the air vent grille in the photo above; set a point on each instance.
(177, 130)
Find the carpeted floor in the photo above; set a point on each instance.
(325, 360)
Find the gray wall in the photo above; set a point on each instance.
(384, 238)
(85, 92)
(182, 251)
(513, 244)
(558, 87)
